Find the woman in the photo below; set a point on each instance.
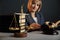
(34, 19)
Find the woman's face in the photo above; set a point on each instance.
(35, 5)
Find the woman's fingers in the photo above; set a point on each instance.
(35, 26)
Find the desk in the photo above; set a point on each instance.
(31, 36)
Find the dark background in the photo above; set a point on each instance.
(50, 11)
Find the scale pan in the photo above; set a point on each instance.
(13, 28)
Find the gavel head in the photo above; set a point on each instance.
(49, 24)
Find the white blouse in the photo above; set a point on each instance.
(35, 19)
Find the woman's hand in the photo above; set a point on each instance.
(34, 26)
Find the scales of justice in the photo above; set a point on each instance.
(21, 28)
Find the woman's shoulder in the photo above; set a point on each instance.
(39, 13)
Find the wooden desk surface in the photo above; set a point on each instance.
(36, 35)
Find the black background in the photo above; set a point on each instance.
(50, 11)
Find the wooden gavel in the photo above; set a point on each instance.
(52, 25)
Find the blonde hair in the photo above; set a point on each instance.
(30, 4)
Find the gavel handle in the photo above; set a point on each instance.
(58, 22)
